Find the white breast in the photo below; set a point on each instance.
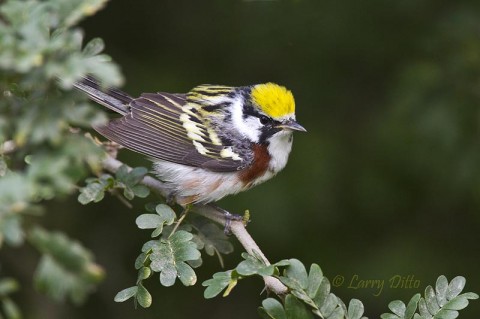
(196, 185)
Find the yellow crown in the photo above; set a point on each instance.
(274, 100)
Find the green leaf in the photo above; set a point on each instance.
(149, 221)
(431, 300)
(141, 191)
(122, 173)
(296, 309)
(329, 306)
(322, 292)
(158, 231)
(8, 286)
(168, 275)
(422, 308)
(11, 229)
(93, 192)
(355, 309)
(296, 271)
(217, 284)
(164, 215)
(128, 193)
(168, 257)
(10, 308)
(126, 294)
(143, 273)
(281, 263)
(412, 306)
(470, 295)
(140, 261)
(441, 287)
(94, 47)
(389, 316)
(315, 277)
(212, 238)
(166, 212)
(186, 274)
(338, 313)
(397, 307)
(446, 314)
(274, 309)
(195, 263)
(301, 295)
(292, 284)
(251, 266)
(455, 287)
(136, 175)
(143, 296)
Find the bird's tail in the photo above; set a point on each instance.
(112, 98)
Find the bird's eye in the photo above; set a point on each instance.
(264, 119)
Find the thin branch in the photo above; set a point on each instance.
(237, 227)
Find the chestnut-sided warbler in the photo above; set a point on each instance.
(208, 143)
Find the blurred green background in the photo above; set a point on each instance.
(386, 182)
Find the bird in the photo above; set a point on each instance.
(211, 142)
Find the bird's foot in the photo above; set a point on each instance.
(228, 221)
(229, 218)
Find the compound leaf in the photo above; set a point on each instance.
(216, 284)
(168, 257)
(252, 265)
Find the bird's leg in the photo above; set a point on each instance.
(228, 218)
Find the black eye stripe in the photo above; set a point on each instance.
(248, 110)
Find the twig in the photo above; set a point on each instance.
(237, 227)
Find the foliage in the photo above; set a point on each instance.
(66, 268)
(9, 308)
(43, 154)
(308, 293)
(174, 252)
(124, 180)
(443, 302)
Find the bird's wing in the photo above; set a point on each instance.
(159, 126)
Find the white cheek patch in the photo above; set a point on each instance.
(249, 127)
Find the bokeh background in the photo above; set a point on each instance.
(385, 183)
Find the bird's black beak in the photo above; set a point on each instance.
(291, 125)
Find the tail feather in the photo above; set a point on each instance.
(112, 98)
